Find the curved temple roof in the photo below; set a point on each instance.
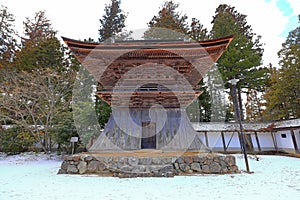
(146, 44)
(158, 61)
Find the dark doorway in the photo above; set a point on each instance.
(148, 136)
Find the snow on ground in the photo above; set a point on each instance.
(34, 177)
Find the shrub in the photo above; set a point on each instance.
(14, 140)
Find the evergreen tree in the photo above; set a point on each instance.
(215, 89)
(283, 96)
(38, 28)
(46, 54)
(8, 43)
(168, 24)
(243, 57)
(41, 48)
(112, 26)
(63, 130)
(90, 40)
(254, 106)
(87, 107)
(197, 31)
(112, 22)
(204, 102)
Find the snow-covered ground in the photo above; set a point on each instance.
(34, 177)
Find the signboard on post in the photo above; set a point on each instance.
(73, 140)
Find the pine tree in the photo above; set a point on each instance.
(254, 106)
(283, 96)
(8, 43)
(41, 48)
(243, 57)
(112, 22)
(168, 24)
(217, 96)
(197, 31)
(38, 28)
(112, 26)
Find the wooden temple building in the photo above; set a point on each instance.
(148, 84)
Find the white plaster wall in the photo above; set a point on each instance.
(201, 135)
(234, 143)
(254, 142)
(284, 143)
(215, 141)
(265, 141)
(216, 144)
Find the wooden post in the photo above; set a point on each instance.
(240, 140)
(206, 138)
(73, 140)
(257, 141)
(223, 140)
(249, 143)
(294, 141)
(274, 141)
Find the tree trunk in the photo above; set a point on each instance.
(44, 147)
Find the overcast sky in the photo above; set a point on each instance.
(78, 19)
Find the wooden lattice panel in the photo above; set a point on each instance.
(145, 100)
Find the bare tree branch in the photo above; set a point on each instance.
(32, 100)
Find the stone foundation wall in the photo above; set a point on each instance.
(131, 166)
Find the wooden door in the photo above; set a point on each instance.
(148, 136)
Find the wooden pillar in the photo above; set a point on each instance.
(206, 138)
(257, 141)
(223, 141)
(274, 141)
(294, 141)
(240, 140)
(249, 143)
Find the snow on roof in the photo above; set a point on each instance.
(293, 123)
(247, 126)
(222, 126)
(225, 126)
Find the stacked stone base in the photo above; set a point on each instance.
(135, 166)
